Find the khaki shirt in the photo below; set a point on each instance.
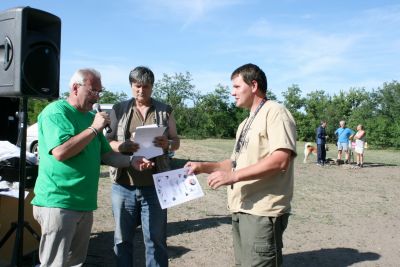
(273, 128)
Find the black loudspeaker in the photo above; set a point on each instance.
(29, 53)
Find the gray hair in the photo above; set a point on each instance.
(80, 76)
(141, 75)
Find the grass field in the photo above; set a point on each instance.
(217, 149)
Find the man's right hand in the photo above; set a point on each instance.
(193, 167)
(101, 120)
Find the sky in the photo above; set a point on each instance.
(317, 45)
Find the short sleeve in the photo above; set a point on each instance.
(56, 129)
(281, 130)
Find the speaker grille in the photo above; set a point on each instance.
(41, 71)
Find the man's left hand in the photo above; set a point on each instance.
(161, 141)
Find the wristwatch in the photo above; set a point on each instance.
(169, 145)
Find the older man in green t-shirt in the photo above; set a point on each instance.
(72, 146)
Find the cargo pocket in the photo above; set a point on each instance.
(263, 254)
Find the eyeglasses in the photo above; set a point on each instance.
(94, 92)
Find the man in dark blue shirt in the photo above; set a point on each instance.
(321, 141)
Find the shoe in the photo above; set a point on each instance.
(361, 165)
(346, 161)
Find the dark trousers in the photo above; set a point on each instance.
(321, 153)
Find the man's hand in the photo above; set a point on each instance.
(193, 167)
(141, 163)
(219, 178)
(128, 147)
(100, 121)
(161, 141)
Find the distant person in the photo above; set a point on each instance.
(133, 194)
(71, 148)
(343, 134)
(259, 174)
(321, 143)
(360, 142)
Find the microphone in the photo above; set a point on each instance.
(96, 106)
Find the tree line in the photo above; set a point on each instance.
(214, 115)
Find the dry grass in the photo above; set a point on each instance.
(342, 216)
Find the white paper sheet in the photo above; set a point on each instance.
(176, 187)
(144, 136)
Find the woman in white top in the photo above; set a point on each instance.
(360, 141)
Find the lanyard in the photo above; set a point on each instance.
(242, 137)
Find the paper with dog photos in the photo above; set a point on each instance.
(176, 187)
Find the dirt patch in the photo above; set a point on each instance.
(342, 216)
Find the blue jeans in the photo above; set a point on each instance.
(131, 204)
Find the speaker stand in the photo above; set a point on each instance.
(21, 223)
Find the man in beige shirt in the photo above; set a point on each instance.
(259, 174)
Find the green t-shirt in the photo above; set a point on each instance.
(73, 183)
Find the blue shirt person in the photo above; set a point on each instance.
(343, 134)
